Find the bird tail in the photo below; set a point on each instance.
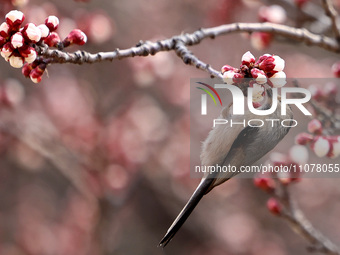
(201, 190)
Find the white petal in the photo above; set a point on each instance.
(321, 147)
(278, 79)
(279, 63)
(299, 154)
(248, 57)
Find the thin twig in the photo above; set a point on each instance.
(151, 48)
(333, 15)
(299, 223)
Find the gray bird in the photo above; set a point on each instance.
(236, 146)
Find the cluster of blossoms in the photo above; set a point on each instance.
(268, 69)
(297, 155)
(322, 145)
(274, 14)
(17, 42)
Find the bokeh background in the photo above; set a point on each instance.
(95, 158)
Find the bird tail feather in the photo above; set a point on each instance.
(201, 190)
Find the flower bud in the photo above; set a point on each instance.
(26, 70)
(316, 93)
(278, 80)
(31, 32)
(330, 90)
(17, 40)
(321, 147)
(315, 127)
(16, 61)
(335, 68)
(14, 19)
(31, 56)
(304, 138)
(76, 36)
(248, 59)
(2, 41)
(259, 75)
(275, 14)
(6, 51)
(37, 73)
(52, 40)
(52, 22)
(227, 68)
(44, 31)
(274, 206)
(228, 77)
(260, 40)
(266, 184)
(271, 63)
(299, 154)
(4, 30)
(335, 149)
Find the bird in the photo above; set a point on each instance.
(236, 146)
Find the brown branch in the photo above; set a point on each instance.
(179, 42)
(293, 214)
(333, 15)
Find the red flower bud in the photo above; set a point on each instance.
(31, 33)
(335, 68)
(304, 138)
(76, 36)
(52, 40)
(274, 206)
(26, 70)
(14, 19)
(4, 30)
(259, 75)
(2, 41)
(52, 22)
(315, 127)
(248, 59)
(227, 68)
(36, 73)
(266, 184)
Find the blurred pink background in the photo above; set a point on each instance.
(95, 158)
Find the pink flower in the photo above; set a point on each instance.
(44, 31)
(17, 40)
(52, 40)
(270, 63)
(248, 59)
(260, 40)
(52, 22)
(32, 32)
(273, 13)
(259, 75)
(227, 68)
(16, 61)
(76, 36)
(315, 126)
(321, 147)
(6, 51)
(304, 138)
(278, 80)
(4, 29)
(15, 18)
(228, 77)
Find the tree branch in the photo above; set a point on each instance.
(293, 214)
(333, 15)
(178, 43)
